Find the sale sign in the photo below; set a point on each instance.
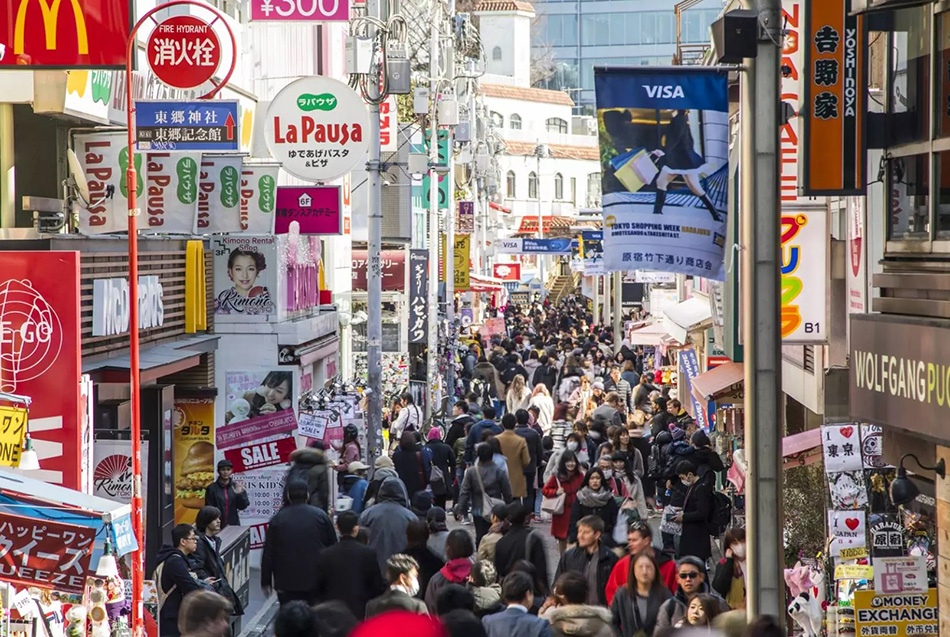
(184, 51)
(300, 10)
(45, 553)
(261, 454)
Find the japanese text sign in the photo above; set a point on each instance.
(835, 100)
(183, 51)
(12, 432)
(896, 615)
(847, 528)
(900, 574)
(418, 296)
(74, 34)
(257, 454)
(804, 276)
(45, 553)
(842, 447)
(392, 265)
(300, 10)
(206, 125)
(244, 431)
(461, 256)
(316, 209)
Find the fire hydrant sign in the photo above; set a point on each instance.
(184, 51)
(316, 127)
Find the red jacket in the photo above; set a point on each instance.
(618, 577)
(560, 523)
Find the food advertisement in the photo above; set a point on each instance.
(193, 438)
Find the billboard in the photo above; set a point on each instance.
(664, 158)
(805, 276)
(245, 277)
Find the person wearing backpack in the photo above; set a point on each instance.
(697, 511)
(442, 467)
(174, 577)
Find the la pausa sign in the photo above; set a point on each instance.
(110, 305)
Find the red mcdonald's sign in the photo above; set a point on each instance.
(65, 33)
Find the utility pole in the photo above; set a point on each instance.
(432, 359)
(618, 306)
(539, 152)
(760, 231)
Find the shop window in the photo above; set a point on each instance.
(510, 184)
(532, 185)
(910, 74)
(942, 112)
(908, 203)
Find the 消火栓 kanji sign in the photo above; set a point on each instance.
(45, 553)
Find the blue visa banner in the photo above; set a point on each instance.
(546, 246)
(664, 135)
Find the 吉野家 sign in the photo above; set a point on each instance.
(12, 432)
(110, 305)
(205, 125)
(315, 127)
(84, 34)
(183, 51)
(300, 10)
(317, 209)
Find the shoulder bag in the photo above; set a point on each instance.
(554, 505)
(488, 502)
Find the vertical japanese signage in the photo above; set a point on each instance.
(219, 195)
(172, 186)
(418, 295)
(804, 277)
(12, 433)
(689, 369)
(460, 255)
(40, 354)
(835, 100)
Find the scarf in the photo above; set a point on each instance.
(457, 570)
(592, 582)
(594, 499)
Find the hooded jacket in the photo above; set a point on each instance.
(579, 620)
(387, 520)
(454, 572)
(310, 464)
(380, 476)
(174, 573)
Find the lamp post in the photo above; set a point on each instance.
(540, 151)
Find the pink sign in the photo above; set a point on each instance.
(300, 10)
(235, 434)
(317, 209)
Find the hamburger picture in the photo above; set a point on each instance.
(196, 473)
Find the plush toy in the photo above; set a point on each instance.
(240, 409)
(806, 611)
(76, 621)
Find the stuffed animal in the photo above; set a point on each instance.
(806, 611)
(76, 621)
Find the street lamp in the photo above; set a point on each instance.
(903, 490)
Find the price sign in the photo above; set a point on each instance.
(300, 10)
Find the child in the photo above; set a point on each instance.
(487, 592)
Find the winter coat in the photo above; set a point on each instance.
(515, 546)
(577, 559)
(413, 468)
(535, 449)
(206, 562)
(697, 508)
(579, 620)
(514, 622)
(175, 572)
(444, 458)
(295, 538)
(625, 616)
(429, 564)
(487, 599)
(387, 520)
(454, 572)
(561, 523)
(607, 415)
(475, 437)
(606, 512)
(310, 464)
(661, 422)
(355, 487)
(708, 464)
(618, 578)
(392, 600)
(547, 376)
(725, 577)
(457, 428)
(545, 411)
(348, 572)
(496, 486)
(674, 609)
(380, 476)
(226, 501)
(487, 548)
(518, 459)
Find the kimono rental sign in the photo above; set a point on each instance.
(665, 163)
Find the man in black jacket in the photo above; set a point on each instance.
(697, 508)
(662, 419)
(444, 458)
(590, 558)
(520, 543)
(348, 571)
(536, 451)
(175, 578)
(295, 538)
(226, 495)
(460, 418)
(546, 374)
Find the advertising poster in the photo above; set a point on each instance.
(265, 490)
(466, 217)
(38, 551)
(261, 454)
(245, 277)
(689, 369)
(103, 159)
(317, 210)
(887, 535)
(872, 446)
(900, 574)
(418, 296)
(587, 253)
(804, 276)
(219, 195)
(194, 466)
(664, 153)
(258, 197)
(461, 255)
(112, 471)
(393, 264)
(847, 530)
(842, 447)
(901, 615)
(171, 192)
(258, 404)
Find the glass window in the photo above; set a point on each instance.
(568, 31)
(942, 175)
(910, 74)
(665, 30)
(595, 30)
(618, 32)
(515, 121)
(573, 197)
(497, 120)
(556, 125)
(558, 187)
(633, 28)
(532, 185)
(496, 53)
(648, 28)
(908, 206)
(690, 24)
(943, 75)
(510, 184)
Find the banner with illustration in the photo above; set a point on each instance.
(664, 136)
(194, 468)
(171, 192)
(103, 161)
(257, 404)
(258, 197)
(219, 195)
(245, 278)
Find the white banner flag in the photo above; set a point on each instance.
(219, 195)
(258, 197)
(104, 160)
(171, 192)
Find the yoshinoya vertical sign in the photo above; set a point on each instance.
(104, 159)
(219, 195)
(245, 277)
(835, 100)
(171, 192)
(418, 296)
(805, 275)
(664, 149)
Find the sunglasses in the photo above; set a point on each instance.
(690, 575)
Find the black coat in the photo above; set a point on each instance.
(535, 448)
(514, 545)
(206, 562)
(413, 468)
(708, 464)
(457, 428)
(175, 573)
(394, 599)
(607, 513)
(225, 500)
(625, 616)
(661, 422)
(577, 559)
(444, 458)
(697, 508)
(429, 564)
(348, 572)
(295, 537)
(546, 375)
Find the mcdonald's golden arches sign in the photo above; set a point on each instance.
(64, 33)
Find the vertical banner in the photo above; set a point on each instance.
(219, 195)
(664, 150)
(418, 296)
(689, 369)
(804, 276)
(171, 192)
(103, 159)
(245, 277)
(258, 197)
(461, 255)
(835, 101)
(466, 218)
(193, 439)
(857, 256)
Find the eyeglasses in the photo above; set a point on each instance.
(193, 538)
(690, 575)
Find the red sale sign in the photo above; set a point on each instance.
(261, 454)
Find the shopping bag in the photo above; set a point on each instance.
(635, 169)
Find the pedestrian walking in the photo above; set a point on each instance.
(518, 592)
(594, 498)
(226, 495)
(174, 578)
(402, 573)
(487, 547)
(205, 614)
(429, 563)
(521, 543)
(348, 571)
(541, 398)
(310, 464)
(459, 550)
(701, 612)
(691, 574)
(640, 540)
(591, 558)
(697, 508)
(413, 463)
(442, 458)
(355, 485)
(636, 605)
(566, 481)
(206, 562)
(517, 457)
(386, 520)
(483, 486)
(569, 613)
(730, 577)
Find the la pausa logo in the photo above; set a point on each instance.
(309, 130)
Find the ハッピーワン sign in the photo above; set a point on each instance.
(316, 128)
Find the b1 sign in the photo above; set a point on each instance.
(300, 10)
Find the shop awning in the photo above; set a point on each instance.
(690, 315)
(799, 450)
(724, 380)
(159, 360)
(479, 283)
(651, 334)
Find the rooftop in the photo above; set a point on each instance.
(525, 94)
(558, 151)
(492, 6)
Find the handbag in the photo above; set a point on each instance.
(554, 505)
(488, 502)
(669, 526)
(437, 480)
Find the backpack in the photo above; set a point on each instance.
(162, 595)
(720, 515)
(656, 462)
(437, 480)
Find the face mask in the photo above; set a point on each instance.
(686, 482)
(414, 587)
(572, 446)
(608, 473)
(739, 551)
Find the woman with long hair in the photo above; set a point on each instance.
(575, 444)
(567, 480)
(634, 499)
(624, 444)
(730, 578)
(594, 498)
(541, 398)
(701, 612)
(636, 606)
(351, 448)
(518, 395)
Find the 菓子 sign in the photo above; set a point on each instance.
(316, 209)
(664, 146)
(67, 34)
(316, 128)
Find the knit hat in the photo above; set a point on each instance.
(384, 462)
(434, 434)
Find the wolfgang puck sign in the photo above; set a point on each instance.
(316, 128)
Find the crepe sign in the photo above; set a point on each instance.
(847, 529)
(842, 447)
